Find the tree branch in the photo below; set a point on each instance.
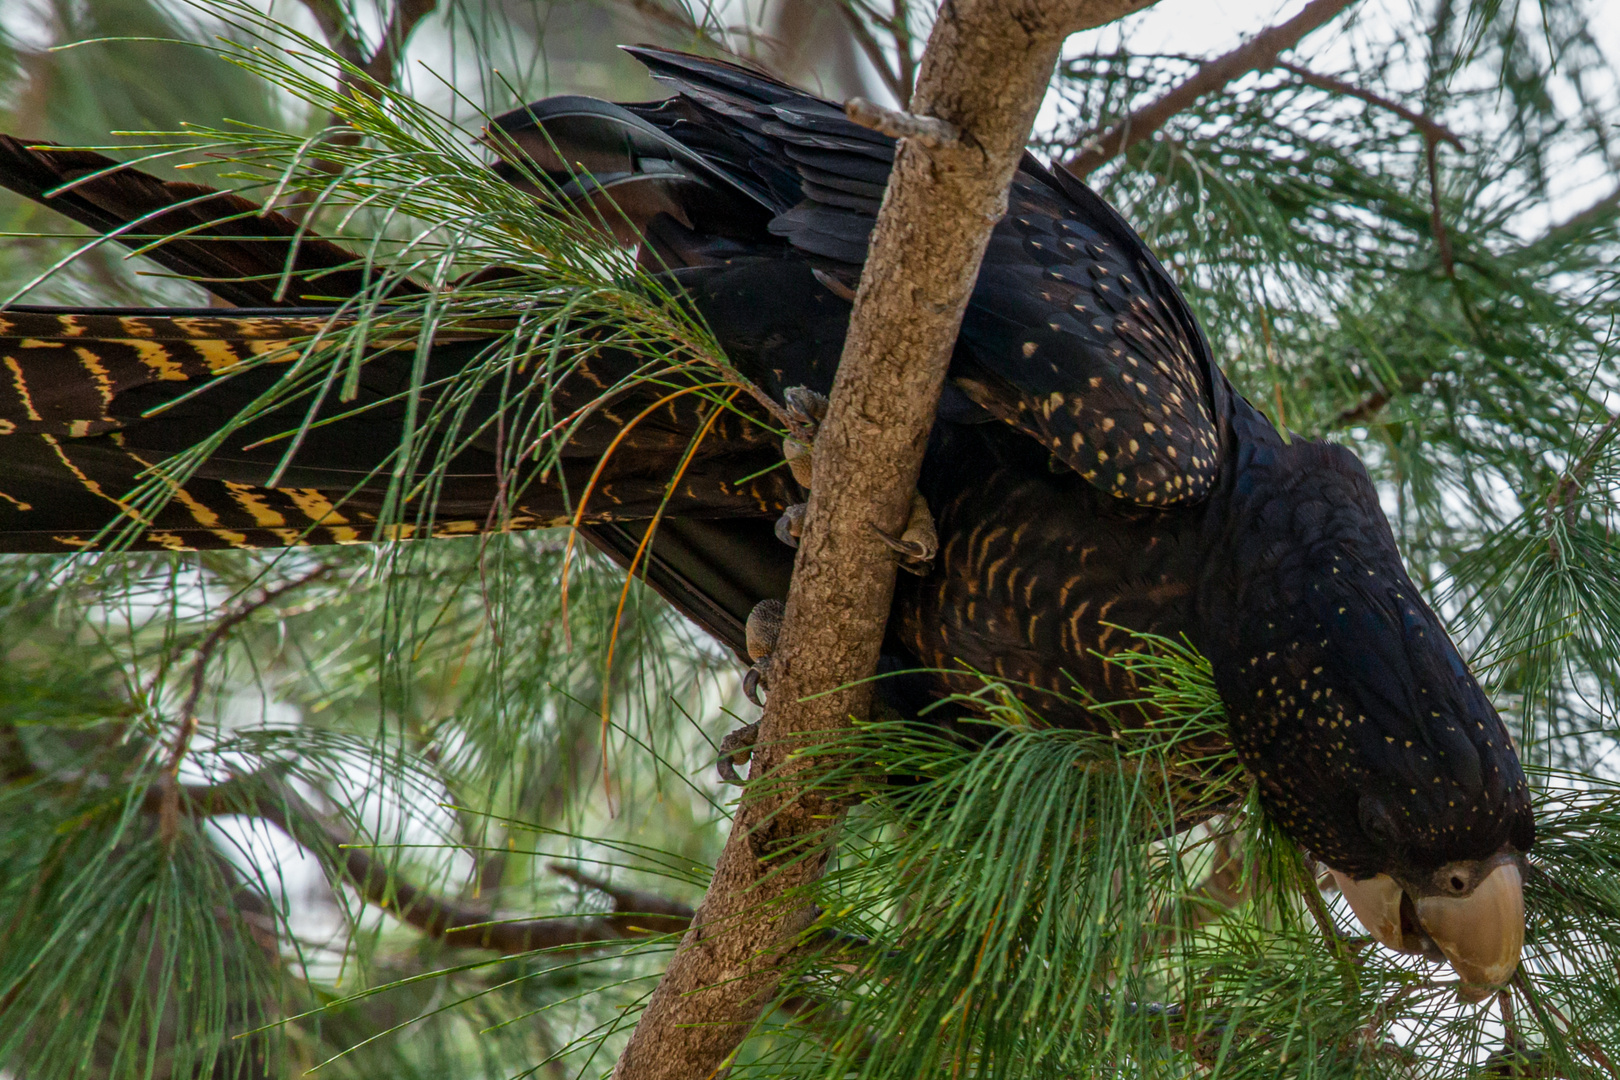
(464, 926)
(407, 14)
(892, 79)
(680, 21)
(334, 26)
(1259, 53)
(379, 66)
(1364, 409)
(1374, 403)
(985, 71)
(927, 130)
(168, 819)
(1431, 129)
(1562, 496)
(1579, 224)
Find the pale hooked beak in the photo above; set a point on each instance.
(1480, 934)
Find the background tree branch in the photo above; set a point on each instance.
(1576, 227)
(372, 72)
(985, 72)
(1429, 127)
(1259, 53)
(465, 926)
(169, 783)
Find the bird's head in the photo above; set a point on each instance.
(1372, 743)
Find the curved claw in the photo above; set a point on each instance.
(735, 749)
(806, 407)
(750, 687)
(917, 545)
(908, 549)
(764, 624)
(790, 526)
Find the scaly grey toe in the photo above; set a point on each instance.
(735, 749)
(917, 543)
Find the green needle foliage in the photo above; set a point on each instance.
(1033, 903)
(245, 795)
(1394, 285)
(568, 293)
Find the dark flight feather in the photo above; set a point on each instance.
(233, 246)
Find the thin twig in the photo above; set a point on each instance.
(874, 54)
(927, 130)
(1578, 223)
(489, 861)
(1430, 128)
(346, 43)
(1504, 1001)
(1437, 222)
(648, 913)
(1374, 403)
(900, 27)
(1365, 409)
(334, 24)
(375, 72)
(1562, 496)
(1520, 983)
(169, 819)
(1330, 932)
(1259, 53)
(679, 21)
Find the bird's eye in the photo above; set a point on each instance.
(1458, 884)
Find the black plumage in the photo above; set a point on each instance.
(1091, 470)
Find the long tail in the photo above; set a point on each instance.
(91, 400)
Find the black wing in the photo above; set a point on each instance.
(1075, 333)
(1078, 337)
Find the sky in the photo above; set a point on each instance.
(1212, 27)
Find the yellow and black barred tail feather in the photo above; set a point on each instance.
(78, 430)
(78, 434)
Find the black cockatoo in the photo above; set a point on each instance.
(1091, 468)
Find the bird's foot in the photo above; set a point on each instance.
(760, 634)
(736, 749)
(918, 542)
(790, 526)
(757, 678)
(806, 409)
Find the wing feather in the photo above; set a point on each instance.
(1075, 333)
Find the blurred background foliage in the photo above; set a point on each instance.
(401, 837)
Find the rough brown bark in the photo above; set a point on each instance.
(985, 71)
(1259, 53)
